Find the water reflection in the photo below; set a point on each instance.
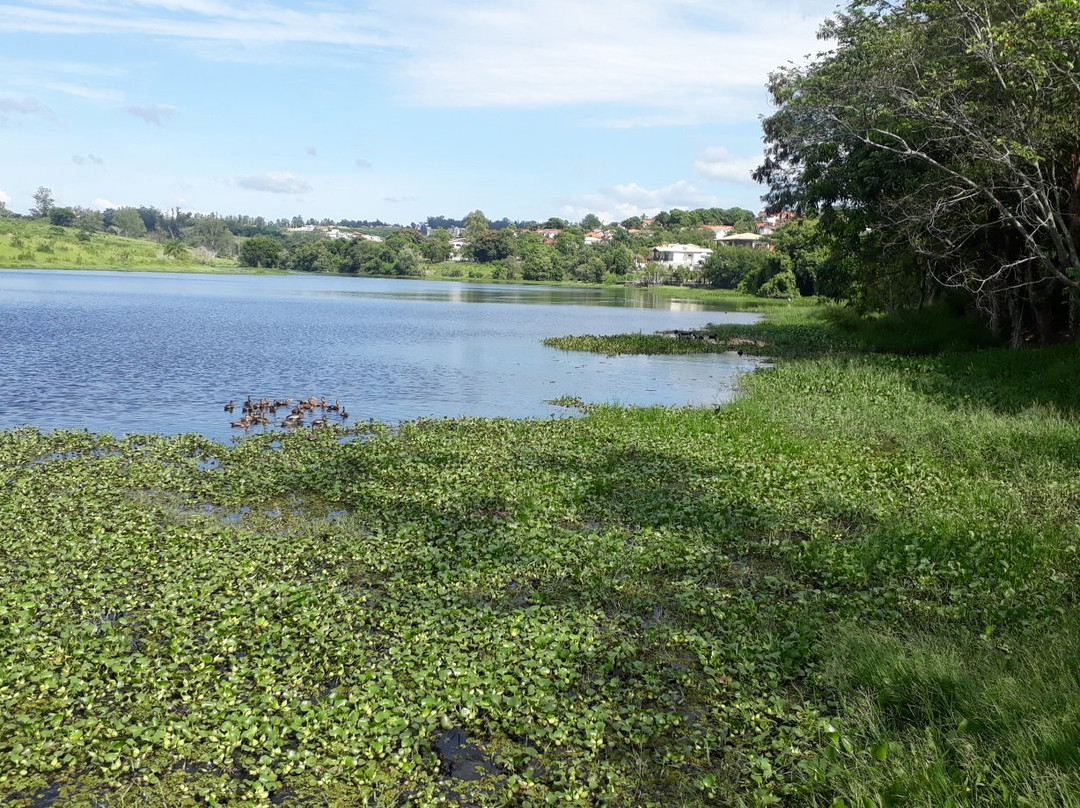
(157, 352)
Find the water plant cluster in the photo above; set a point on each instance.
(853, 586)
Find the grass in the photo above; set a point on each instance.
(38, 245)
(854, 586)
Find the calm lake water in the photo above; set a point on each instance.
(124, 352)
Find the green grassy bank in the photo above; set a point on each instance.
(38, 245)
(854, 586)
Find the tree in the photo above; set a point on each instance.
(945, 130)
(43, 203)
(260, 252)
(739, 267)
(807, 252)
(491, 245)
(211, 233)
(590, 222)
(476, 223)
(408, 261)
(618, 259)
(62, 217)
(174, 248)
(129, 223)
(437, 247)
(89, 221)
(151, 218)
(570, 240)
(405, 237)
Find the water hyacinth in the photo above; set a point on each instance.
(797, 598)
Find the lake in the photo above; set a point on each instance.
(123, 352)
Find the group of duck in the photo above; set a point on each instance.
(264, 411)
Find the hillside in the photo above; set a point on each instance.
(37, 244)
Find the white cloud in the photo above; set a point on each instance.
(151, 113)
(103, 204)
(682, 59)
(80, 91)
(225, 21)
(5, 197)
(275, 182)
(623, 201)
(671, 62)
(718, 164)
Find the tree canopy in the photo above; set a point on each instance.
(944, 130)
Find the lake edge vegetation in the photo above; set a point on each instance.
(853, 586)
(825, 593)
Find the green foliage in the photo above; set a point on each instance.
(259, 252)
(728, 267)
(129, 223)
(85, 248)
(867, 135)
(856, 582)
(174, 248)
(43, 203)
(490, 245)
(211, 233)
(437, 247)
(782, 284)
(62, 217)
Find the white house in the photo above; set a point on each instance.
(718, 230)
(743, 240)
(681, 255)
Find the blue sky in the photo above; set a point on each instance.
(392, 109)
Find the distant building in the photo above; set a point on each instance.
(744, 240)
(681, 255)
(718, 230)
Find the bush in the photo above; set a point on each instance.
(782, 284)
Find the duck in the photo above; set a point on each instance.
(293, 419)
(230, 406)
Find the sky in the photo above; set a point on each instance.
(393, 109)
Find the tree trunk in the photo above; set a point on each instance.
(1016, 318)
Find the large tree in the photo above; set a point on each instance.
(43, 203)
(260, 252)
(129, 222)
(945, 129)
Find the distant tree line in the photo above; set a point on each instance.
(553, 250)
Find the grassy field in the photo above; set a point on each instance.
(34, 244)
(854, 586)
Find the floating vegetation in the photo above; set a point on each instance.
(667, 343)
(574, 402)
(771, 604)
